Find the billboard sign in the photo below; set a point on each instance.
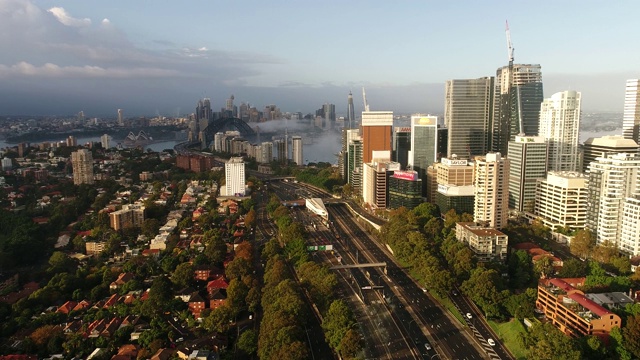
(406, 175)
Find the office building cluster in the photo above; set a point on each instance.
(283, 149)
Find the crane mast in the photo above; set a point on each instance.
(510, 48)
(364, 99)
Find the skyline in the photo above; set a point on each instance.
(74, 56)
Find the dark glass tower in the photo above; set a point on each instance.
(401, 145)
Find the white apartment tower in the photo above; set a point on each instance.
(491, 181)
(296, 150)
(104, 140)
(631, 117)
(120, 117)
(612, 180)
(559, 125)
(561, 200)
(234, 176)
(82, 163)
(527, 163)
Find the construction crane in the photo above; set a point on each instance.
(510, 48)
(364, 99)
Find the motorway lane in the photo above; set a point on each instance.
(451, 340)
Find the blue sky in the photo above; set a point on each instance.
(162, 56)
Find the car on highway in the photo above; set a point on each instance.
(491, 342)
(427, 346)
(469, 316)
(424, 290)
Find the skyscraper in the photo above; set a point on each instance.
(424, 145)
(401, 145)
(609, 144)
(559, 125)
(82, 164)
(376, 132)
(351, 114)
(491, 182)
(203, 110)
(516, 104)
(528, 163)
(467, 114)
(234, 177)
(296, 146)
(355, 165)
(631, 117)
(120, 117)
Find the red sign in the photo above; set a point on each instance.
(406, 175)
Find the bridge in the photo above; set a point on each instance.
(226, 123)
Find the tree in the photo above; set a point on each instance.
(573, 268)
(545, 342)
(216, 248)
(351, 344)
(582, 244)
(337, 322)
(245, 250)
(150, 227)
(60, 262)
(160, 295)
(248, 342)
(483, 287)
(520, 269)
(250, 219)
(183, 275)
(543, 266)
(631, 335)
(237, 293)
(219, 319)
(238, 268)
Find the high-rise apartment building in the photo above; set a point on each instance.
(279, 151)
(120, 117)
(631, 117)
(351, 114)
(516, 104)
(610, 144)
(82, 164)
(131, 215)
(354, 165)
(374, 179)
(559, 125)
(527, 163)
(234, 177)
(376, 133)
(561, 200)
(630, 232)
(612, 179)
(491, 182)
(424, 144)
(104, 140)
(467, 114)
(296, 153)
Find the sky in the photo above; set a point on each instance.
(159, 57)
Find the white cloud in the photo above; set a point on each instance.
(55, 71)
(106, 21)
(62, 16)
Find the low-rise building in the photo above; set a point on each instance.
(571, 311)
(487, 243)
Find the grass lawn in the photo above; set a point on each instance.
(509, 332)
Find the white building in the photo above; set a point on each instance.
(487, 243)
(7, 164)
(82, 163)
(491, 181)
(559, 125)
(527, 163)
(561, 200)
(612, 179)
(296, 153)
(630, 237)
(374, 179)
(218, 139)
(104, 140)
(234, 177)
(631, 117)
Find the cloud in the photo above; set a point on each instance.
(53, 70)
(66, 19)
(106, 21)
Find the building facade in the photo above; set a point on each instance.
(527, 163)
(559, 125)
(82, 164)
(405, 189)
(568, 309)
(376, 133)
(296, 150)
(234, 177)
(610, 144)
(424, 144)
(401, 145)
(612, 179)
(561, 200)
(486, 243)
(516, 104)
(468, 115)
(491, 182)
(631, 117)
(127, 217)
